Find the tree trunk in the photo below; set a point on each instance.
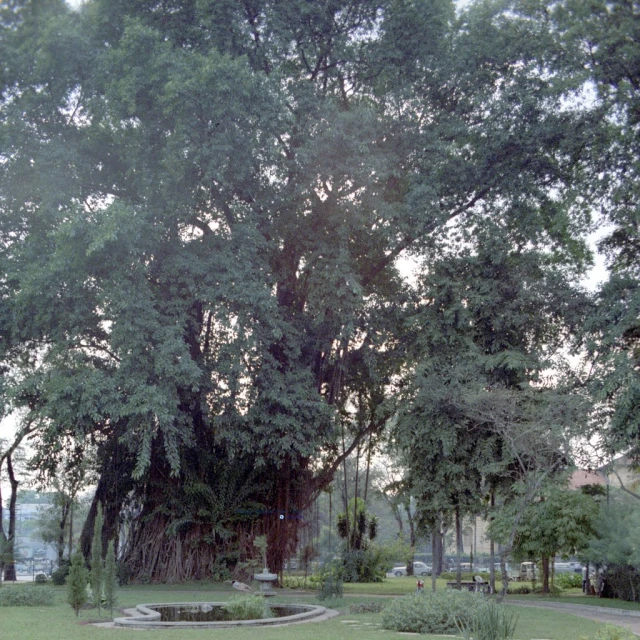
(458, 548)
(545, 574)
(62, 526)
(492, 551)
(10, 560)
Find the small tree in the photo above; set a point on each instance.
(110, 578)
(77, 583)
(96, 560)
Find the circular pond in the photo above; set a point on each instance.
(211, 615)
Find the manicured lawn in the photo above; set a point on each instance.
(60, 623)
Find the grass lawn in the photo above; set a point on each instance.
(60, 623)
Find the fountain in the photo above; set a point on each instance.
(266, 578)
(211, 615)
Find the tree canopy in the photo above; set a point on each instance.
(202, 209)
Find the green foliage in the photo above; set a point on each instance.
(26, 596)
(434, 613)
(566, 580)
(490, 622)
(251, 607)
(41, 578)
(610, 632)
(367, 607)
(364, 565)
(97, 562)
(624, 581)
(199, 232)
(302, 582)
(110, 578)
(519, 589)
(331, 584)
(59, 575)
(617, 525)
(77, 583)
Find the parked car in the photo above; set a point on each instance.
(419, 569)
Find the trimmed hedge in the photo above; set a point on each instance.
(26, 596)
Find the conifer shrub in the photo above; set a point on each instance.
(435, 613)
(77, 583)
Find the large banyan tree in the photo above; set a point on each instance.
(202, 208)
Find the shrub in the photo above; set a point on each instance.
(248, 608)
(59, 575)
(554, 590)
(610, 632)
(123, 571)
(364, 565)
(624, 582)
(26, 596)
(366, 607)
(301, 582)
(41, 578)
(491, 622)
(330, 586)
(520, 589)
(429, 612)
(77, 583)
(568, 580)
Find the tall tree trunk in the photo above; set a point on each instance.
(412, 535)
(458, 548)
(71, 512)
(492, 550)
(346, 490)
(62, 526)
(434, 557)
(545, 574)
(3, 535)
(366, 477)
(10, 559)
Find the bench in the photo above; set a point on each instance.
(477, 584)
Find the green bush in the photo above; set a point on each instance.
(41, 578)
(366, 607)
(59, 575)
(330, 586)
(26, 596)
(435, 613)
(568, 580)
(519, 590)
(248, 608)
(554, 590)
(301, 582)
(610, 632)
(490, 622)
(624, 582)
(364, 565)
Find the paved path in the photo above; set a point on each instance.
(620, 617)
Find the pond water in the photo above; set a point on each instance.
(210, 613)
